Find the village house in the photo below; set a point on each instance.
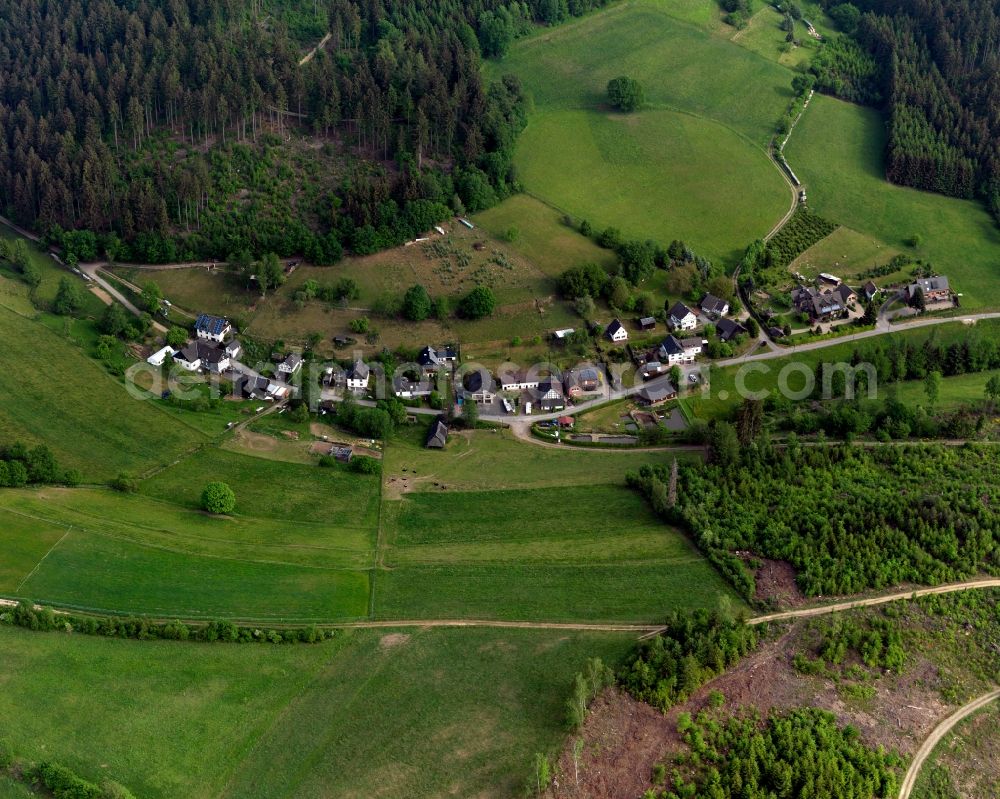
(682, 318)
(935, 289)
(199, 354)
(652, 369)
(661, 391)
(550, 395)
(582, 381)
(821, 306)
(437, 435)
(260, 388)
(289, 366)
(479, 387)
(616, 332)
(729, 329)
(212, 328)
(404, 388)
(358, 376)
(432, 360)
(518, 381)
(673, 350)
(714, 306)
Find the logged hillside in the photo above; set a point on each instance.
(191, 129)
(937, 65)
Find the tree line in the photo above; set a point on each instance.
(936, 66)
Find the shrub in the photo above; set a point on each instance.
(478, 303)
(363, 464)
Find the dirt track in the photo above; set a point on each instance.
(939, 732)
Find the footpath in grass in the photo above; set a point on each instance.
(838, 151)
(371, 713)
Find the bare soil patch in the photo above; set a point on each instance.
(624, 739)
(776, 586)
(393, 640)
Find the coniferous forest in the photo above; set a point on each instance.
(163, 127)
(936, 64)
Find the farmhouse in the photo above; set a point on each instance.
(935, 289)
(647, 322)
(198, 354)
(674, 350)
(437, 436)
(682, 318)
(728, 329)
(479, 386)
(357, 376)
(582, 381)
(822, 305)
(713, 306)
(212, 328)
(404, 388)
(616, 332)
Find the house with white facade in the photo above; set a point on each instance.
(681, 317)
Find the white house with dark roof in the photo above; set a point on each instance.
(673, 350)
(714, 306)
(404, 388)
(358, 376)
(550, 395)
(289, 366)
(681, 317)
(518, 381)
(616, 332)
(212, 328)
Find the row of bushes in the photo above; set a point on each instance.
(26, 615)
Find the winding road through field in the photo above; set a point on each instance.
(936, 736)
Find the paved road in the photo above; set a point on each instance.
(937, 734)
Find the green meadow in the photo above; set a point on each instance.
(564, 553)
(837, 150)
(692, 165)
(59, 396)
(371, 713)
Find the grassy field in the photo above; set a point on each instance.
(485, 460)
(848, 254)
(541, 235)
(374, 714)
(60, 396)
(692, 165)
(271, 489)
(837, 150)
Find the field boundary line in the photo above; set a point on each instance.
(38, 565)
